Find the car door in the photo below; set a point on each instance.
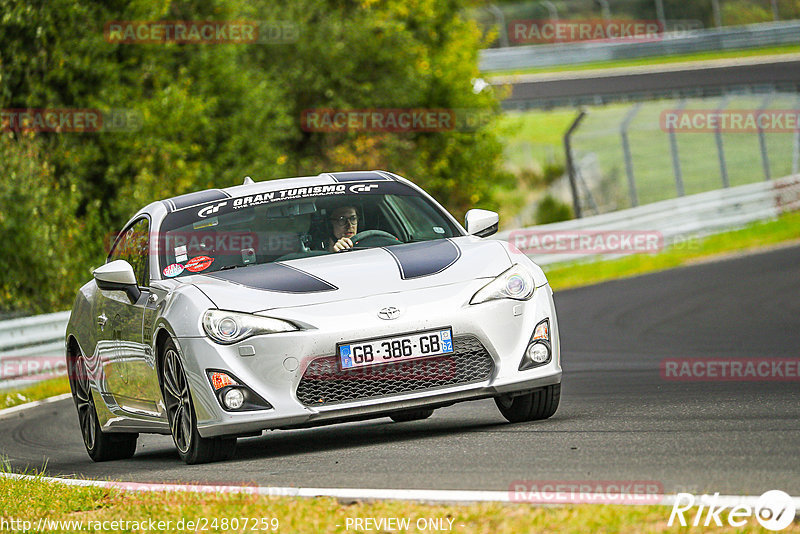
(128, 361)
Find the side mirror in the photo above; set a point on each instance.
(118, 276)
(481, 223)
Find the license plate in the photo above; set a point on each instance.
(397, 348)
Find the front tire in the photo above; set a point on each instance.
(192, 447)
(533, 406)
(101, 446)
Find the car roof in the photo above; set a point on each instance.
(252, 188)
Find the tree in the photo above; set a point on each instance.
(207, 115)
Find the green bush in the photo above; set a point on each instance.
(552, 172)
(46, 250)
(552, 210)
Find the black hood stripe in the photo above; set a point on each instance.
(427, 258)
(275, 277)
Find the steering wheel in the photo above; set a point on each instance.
(372, 234)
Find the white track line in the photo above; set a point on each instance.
(427, 496)
(8, 412)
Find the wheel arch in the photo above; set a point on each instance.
(162, 336)
(73, 350)
(73, 347)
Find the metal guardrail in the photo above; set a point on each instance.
(677, 220)
(28, 340)
(34, 330)
(729, 38)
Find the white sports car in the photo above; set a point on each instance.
(302, 302)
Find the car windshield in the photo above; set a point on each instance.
(296, 223)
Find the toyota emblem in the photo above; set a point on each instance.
(389, 313)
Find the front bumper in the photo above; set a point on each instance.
(276, 368)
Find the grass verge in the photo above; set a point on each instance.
(752, 237)
(34, 501)
(34, 392)
(532, 138)
(662, 60)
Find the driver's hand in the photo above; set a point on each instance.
(343, 244)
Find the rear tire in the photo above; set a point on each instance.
(101, 446)
(533, 406)
(192, 447)
(411, 415)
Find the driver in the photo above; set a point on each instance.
(344, 225)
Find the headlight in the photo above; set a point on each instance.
(516, 283)
(229, 327)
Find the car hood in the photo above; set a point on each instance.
(354, 274)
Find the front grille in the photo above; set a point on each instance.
(324, 383)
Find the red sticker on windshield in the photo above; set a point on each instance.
(173, 270)
(199, 263)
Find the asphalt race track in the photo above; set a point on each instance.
(691, 80)
(618, 419)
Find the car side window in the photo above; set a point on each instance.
(132, 247)
(419, 218)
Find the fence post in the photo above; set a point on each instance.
(551, 8)
(626, 151)
(589, 195)
(762, 140)
(717, 13)
(676, 161)
(605, 9)
(660, 14)
(723, 168)
(501, 19)
(571, 163)
(796, 147)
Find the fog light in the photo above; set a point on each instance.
(233, 399)
(233, 395)
(538, 353)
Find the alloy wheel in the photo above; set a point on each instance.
(83, 400)
(177, 400)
